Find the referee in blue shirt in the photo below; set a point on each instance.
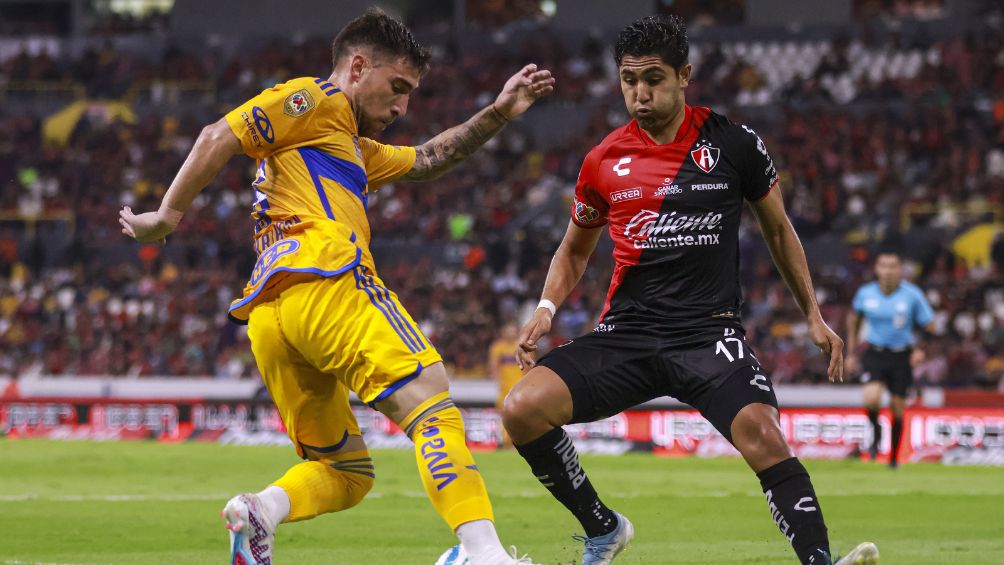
(891, 308)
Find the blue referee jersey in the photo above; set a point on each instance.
(890, 318)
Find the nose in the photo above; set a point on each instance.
(399, 108)
(644, 93)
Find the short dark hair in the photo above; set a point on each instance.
(893, 244)
(382, 33)
(665, 36)
(890, 252)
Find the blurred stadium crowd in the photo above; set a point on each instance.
(876, 139)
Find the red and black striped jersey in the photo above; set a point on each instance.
(673, 212)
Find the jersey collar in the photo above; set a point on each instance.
(681, 134)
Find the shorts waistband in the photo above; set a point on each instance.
(903, 349)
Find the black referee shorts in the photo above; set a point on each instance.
(891, 368)
(713, 370)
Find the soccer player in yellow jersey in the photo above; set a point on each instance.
(320, 320)
(504, 368)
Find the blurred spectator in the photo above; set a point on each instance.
(870, 140)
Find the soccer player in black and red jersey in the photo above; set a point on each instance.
(670, 186)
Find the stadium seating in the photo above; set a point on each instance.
(858, 128)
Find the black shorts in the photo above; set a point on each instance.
(892, 368)
(713, 370)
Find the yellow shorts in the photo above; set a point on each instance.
(316, 340)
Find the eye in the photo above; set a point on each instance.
(654, 81)
(629, 80)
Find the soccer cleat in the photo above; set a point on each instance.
(251, 533)
(601, 550)
(866, 553)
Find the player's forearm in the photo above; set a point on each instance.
(789, 257)
(446, 150)
(565, 272)
(213, 148)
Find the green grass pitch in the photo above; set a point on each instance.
(144, 503)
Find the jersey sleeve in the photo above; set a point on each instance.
(758, 172)
(922, 311)
(385, 163)
(590, 209)
(280, 117)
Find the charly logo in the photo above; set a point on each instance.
(620, 169)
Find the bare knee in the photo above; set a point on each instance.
(756, 433)
(522, 415)
(536, 405)
(873, 395)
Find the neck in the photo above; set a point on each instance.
(340, 79)
(666, 132)
(888, 289)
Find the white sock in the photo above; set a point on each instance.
(275, 503)
(481, 543)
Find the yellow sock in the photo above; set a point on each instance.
(450, 477)
(318, 487)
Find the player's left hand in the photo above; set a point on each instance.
(529, 335)
(831, 345)
(149, 227)
(522, 90)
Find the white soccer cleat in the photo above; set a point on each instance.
(866, 553)
(601, 550)
(252, 535)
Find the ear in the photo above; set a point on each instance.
(685, 74)
(358, 66)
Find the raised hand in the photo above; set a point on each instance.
(148, 227)
(522, 90)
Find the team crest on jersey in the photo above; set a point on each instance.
(705, 157)
(298, 103)
(584, 213)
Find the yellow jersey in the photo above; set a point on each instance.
(313, 180)
(503, 353)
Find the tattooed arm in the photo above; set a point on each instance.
(443, 152)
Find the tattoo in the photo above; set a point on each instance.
(446, 150)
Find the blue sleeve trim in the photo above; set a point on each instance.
(397, 385)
